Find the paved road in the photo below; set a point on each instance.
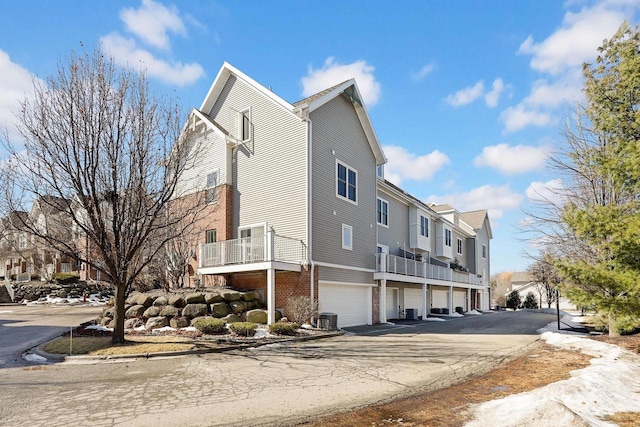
(270, 385)
(23, 327)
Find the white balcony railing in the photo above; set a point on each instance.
(386, 263)
(269, 247)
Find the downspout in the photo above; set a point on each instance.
(304, 114)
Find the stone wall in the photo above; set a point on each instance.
(39, 291)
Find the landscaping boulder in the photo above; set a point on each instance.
(212, 298)
(152, 311)
(106, 320)
(134, 311)
(132, 298)
(169, 311)
(257, 316)
(219, 309)
(195, 310)
(133, 323)
(176, 300)
(156, 322)
(144, 299)
(195, 298)
(161, 301)
(248, 296)
(178, 322)
(109, 312)
(230, 295)
(238, 306)
(232, 318)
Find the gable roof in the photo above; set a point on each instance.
(348, 87)
(477, 220)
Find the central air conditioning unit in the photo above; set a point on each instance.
(411, 313)
(328, 321)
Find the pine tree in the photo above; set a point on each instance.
(513, 300)
(530, 301)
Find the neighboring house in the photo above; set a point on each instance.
(24, 255)
(297, 205)
(524, 282)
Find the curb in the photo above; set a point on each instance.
(233, 346)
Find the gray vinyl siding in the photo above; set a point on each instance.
(338, 134)
(344, 276)
(396, 236)
(269, 174)
(212, 155)
(471, 256)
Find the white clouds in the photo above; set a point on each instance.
(560, 56)
(521, 116)
(495, 198)
(151, 24)
(403, 165)
(15, 84)
(552, 191)
(152, 21)
(423, 72)
(126, 53)
(333, 73)
(512, 160)
(466, 96)
(492, 97)
(578, 38)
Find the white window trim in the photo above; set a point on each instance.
(484, 251)
(338, 162)
(447, 231)
(252, 226)
(383, 201)
(380, 171)
(350, 230)
(426, 236)
(459, 246)
(385, 248)
(241, 115)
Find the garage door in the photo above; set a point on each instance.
(440, 298)
(460, 300)
(413, 299)
(351, 303)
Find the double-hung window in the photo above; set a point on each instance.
(211, 236)
(245, 125)
(424, 226)
(212, 182)
(346, 182)
(459, 246)
(447, 237)
(383, 212)
(347, 237)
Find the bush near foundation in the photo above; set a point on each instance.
(283, 328)
(210, 326)
(243, 329)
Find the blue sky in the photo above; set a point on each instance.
(467, 97)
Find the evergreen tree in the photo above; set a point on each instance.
(530, 301)
(513, 300)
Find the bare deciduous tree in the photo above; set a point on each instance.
(546, 278)
(96, 136)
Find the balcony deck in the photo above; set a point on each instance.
(386, 263)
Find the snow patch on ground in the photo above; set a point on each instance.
(99, 328)
(610, 385)
(434, 319)
(6, 311)
(474, 313)
(93, 300)
(31, 357)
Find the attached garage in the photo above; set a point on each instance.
(439, 298)
(460, 300)
(413, 299)
(351, 302)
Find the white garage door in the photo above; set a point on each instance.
(460, 300)
(413, 299)
(351, 303)
(440, 298)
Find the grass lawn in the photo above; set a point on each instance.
(102, 346)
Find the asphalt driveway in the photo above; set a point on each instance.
(270, 385)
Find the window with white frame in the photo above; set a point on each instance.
(447, 237)
(347, 237)
(424, 226)
(211, 236)
(459, 246)
(245, 125)
(484, 251)
(212, 182)
(383, 212)
(380, 171)
(346, 182)
(22, 241)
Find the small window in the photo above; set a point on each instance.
(245, 125)
(212, 182)
(211, 236)
(346, 182)
(484, 251)
(447, 237)
(424, 226)
(459, 246)
(347, 237)
(383, 212)
(380, 171)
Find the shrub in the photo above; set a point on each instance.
(302, 308)
(284, 328)
(513, 300)
(530, 301)
(244, 329)
(66, 278)
(210, 326)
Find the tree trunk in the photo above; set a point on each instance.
(612, 327)
(118, 328)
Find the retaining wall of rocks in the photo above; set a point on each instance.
(39, 291)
